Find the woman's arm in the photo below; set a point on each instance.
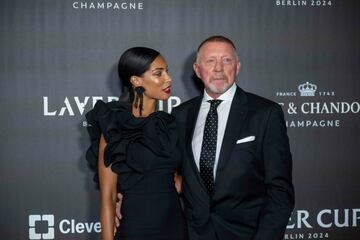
(108, 182)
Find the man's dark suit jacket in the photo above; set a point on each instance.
(253, 194)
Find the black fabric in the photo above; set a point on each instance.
(253, 194)
(143, 152)
(208, 147)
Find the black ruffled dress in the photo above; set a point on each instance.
(143, 152)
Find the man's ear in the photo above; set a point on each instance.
(196, 69)
(238, 67)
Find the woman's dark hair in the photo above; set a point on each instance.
(134, 62)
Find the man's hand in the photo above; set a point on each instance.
(117, 212)
(178, 182)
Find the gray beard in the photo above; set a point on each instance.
(219, 90)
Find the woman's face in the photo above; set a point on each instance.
(156, 80)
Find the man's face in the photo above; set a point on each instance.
(217, 65)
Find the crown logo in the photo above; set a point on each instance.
(307, 89)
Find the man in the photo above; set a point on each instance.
(237, 166)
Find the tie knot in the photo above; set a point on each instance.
(214, 103)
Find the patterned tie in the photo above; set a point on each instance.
(208, 148)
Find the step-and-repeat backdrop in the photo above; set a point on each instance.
(58, 57)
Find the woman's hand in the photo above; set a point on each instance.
(178, 182)
(118, 215)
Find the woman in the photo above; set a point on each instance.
(134, 150)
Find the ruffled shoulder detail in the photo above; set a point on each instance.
(156, 133)
(125, 135)
(99, 119)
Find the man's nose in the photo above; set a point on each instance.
(219, 66)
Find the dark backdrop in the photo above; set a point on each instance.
(59, 56)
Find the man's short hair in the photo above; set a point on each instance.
(216, 38)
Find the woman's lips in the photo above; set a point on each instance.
(167, 90)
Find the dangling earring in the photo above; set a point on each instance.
(138, 103)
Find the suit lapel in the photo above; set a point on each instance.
(192, 115)
(237, 114)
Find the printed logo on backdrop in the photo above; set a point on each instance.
(34, 225)
(304, 224)
(304, 3)
(309, 106)
(44, 227)
(78, 106)
(108, 5)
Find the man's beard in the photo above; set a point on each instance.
(219, 89)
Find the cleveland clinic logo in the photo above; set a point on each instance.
(35, 220)
(44, 226)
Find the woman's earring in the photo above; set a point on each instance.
(139, 96)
